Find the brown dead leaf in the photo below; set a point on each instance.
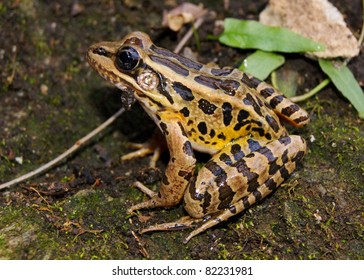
(185, 13)
(144, 218)
(77, 8)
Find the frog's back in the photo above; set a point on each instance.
(238, 84)
(216, 84)
(214, 121)
(216, 106)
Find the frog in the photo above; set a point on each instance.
(228, 114)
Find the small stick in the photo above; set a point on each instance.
(188, 35)
(77, 145)
(361, 38)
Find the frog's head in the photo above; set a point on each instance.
(129, 65)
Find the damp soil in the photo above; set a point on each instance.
(50, 97)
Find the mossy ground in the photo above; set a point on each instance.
(50, 97)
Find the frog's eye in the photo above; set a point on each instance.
(127, 58)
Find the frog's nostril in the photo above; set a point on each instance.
(100, 51)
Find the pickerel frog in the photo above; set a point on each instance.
(223, 112)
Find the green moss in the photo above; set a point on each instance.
(3, 9)
(74, 67)
(23, 237)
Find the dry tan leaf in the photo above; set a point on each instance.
(316, 19)
(77, 8)
(144, 218)
(185, 13)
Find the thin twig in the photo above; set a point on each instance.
(361, 38)
(13, 65)
(76, 146)
(189, 34)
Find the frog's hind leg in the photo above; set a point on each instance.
(238, 185)
(270, 185)
(281, 105)
(234, 186)
(207, 222)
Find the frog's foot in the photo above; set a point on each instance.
(156, 200)
(156, 145)
(216, 219)
(202, 224)
(142, 151)
(189, 222)
(182, 223)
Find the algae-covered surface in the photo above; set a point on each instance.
(50, 97)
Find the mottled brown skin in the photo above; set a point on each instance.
(224, 112)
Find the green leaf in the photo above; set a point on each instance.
(260, 64)
(346, 83)
(286, 80)
(249, 34)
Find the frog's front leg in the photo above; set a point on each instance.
(179, 169)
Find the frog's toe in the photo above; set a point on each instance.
(155, 145)
(182, 223)
(144, 150)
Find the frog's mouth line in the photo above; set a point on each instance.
(127, 96)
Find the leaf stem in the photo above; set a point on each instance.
(273, 79)
(312, 92)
